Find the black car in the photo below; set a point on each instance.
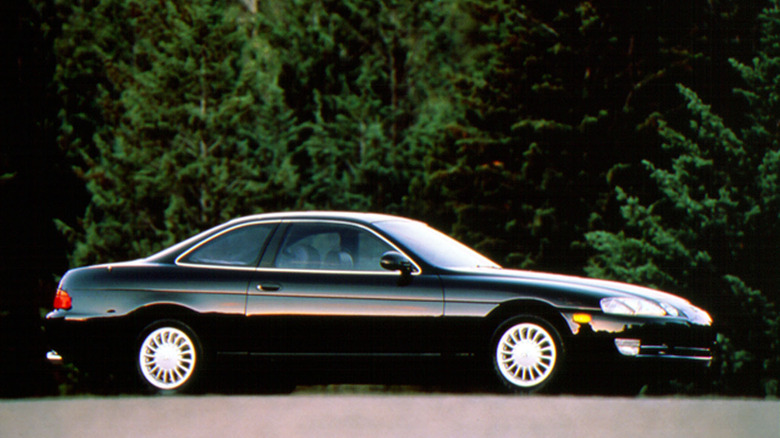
(315, 285)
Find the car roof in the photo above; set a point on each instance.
(361, 217)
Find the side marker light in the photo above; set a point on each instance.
(582, 318)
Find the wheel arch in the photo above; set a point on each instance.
(525, 307)
(143, 317)
(149, 314)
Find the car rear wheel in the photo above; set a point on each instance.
(169, 357)
(527, 353)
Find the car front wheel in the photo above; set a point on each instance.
(168, 357)
(527, 353)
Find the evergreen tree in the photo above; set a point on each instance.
(712, 235)
(554, 102)
(193, 125)
(355, 75)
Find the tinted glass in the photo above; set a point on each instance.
(330, 247)
(236, 247)
(434, 246)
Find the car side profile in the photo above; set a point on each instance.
(314, 285)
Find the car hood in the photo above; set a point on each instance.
(608, 287)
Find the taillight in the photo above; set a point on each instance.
(62, 300)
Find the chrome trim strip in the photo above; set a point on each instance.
(224, 268)
(328, 271)
(288, 270)
(172, 291)
(326, 354)
(665, 352)
(655, 347)
(674, 356)
(343, 297)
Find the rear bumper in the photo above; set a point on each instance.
(54, 358)
(58, 337)
(83, 342)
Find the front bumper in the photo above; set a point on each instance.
(606, 337)
(623, 355)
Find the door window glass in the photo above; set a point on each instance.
(330, 247)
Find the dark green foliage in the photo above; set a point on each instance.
(713, 234)
(195, 132)
(195, 111)
(354, 74)
(555, 96)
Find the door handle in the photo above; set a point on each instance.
(269, 287)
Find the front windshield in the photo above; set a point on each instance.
(434, 246)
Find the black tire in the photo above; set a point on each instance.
(168, 357)
(527, 354)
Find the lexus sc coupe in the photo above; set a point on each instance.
(321, 285)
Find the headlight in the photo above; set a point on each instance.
(632, 306)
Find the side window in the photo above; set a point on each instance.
(237, 247)
(330, 247)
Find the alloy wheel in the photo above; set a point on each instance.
(167, 358)
(526, 355)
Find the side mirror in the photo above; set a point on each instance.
(394, 261)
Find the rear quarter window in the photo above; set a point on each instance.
(239, 247)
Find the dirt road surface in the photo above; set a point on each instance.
(389, 415)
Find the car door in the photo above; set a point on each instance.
(321, 290)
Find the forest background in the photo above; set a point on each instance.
(636, 141)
